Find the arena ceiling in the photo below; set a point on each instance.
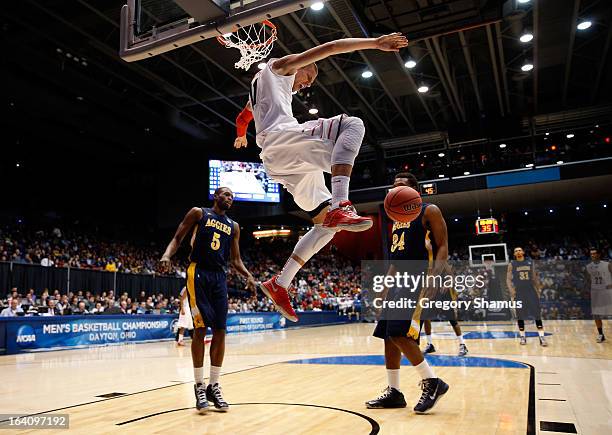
(64, 72)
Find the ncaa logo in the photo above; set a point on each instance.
(26, 336)
(174, 326)
(282, 322)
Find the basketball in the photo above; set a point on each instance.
(403, 204)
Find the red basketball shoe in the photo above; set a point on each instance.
(280, 297)
(345, 217)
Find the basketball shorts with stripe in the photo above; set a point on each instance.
(207, 291)
(530, 303)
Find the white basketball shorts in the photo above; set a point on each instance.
(297, 158)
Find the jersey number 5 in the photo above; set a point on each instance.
(216, 241)
(398, 243)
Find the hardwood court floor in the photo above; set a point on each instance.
(490, 393)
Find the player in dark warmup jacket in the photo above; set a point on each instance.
(524, 286)
(401, 334)
(214, 241)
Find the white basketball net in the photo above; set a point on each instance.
(255, 43)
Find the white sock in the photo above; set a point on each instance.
(340, 189)
(214, 375)
(541, 332)
(460, 338)
(198, 375)
(311, 243)
(522, 333)
(424, 371)
(288, 273)
(393, 378)
(427, 338)
(180, 337)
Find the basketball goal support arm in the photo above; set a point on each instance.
(180, 34)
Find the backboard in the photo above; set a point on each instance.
(495, 254)
(152, 27)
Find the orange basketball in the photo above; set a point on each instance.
(403, 204)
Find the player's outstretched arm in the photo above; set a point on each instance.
(242, 124)
(236, 260)
(290, 64)
(190, 219)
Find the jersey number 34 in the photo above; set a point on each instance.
(397, 243)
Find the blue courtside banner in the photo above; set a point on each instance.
(252, 322)
(31, 334)
(28, 334)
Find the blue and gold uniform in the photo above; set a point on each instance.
(206, 275)
(412, 241)
(522, 280)
(412, 250)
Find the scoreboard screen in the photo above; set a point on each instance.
(248, 181)
(487, 226)
(429, 189)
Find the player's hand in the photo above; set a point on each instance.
(241, 142)
(252, 285)
(182, 311)
(391, 42)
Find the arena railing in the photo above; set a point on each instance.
(70, 279)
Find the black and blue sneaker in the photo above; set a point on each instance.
(213, 393)
(201, 401)
(390, 398)
(429, 349)
(433, 389)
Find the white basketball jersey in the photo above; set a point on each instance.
(271, 96)
(600, 275)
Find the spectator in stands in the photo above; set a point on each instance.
(13, 310)
(133, 309)
(98, 309)
(46, 262)
(81, 309)
(111, 266)
(52, 309)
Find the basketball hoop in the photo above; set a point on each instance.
(255, 42)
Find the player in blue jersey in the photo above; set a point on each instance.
(415, 246)
(524, 286)
(214, 242)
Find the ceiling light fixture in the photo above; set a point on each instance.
(317, 6)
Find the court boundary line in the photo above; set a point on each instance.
(531, 411)
(373, 423)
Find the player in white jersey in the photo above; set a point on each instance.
(297, 155)
(599, 279)
(184, 321)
